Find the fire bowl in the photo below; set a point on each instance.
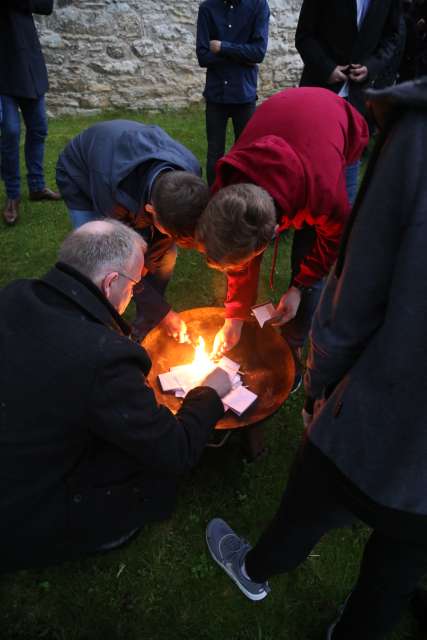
(265, 360)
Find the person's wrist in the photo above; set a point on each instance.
(233, 322)
(301, 288)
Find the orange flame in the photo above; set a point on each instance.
(202, 364)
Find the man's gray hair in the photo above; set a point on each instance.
(99, 247)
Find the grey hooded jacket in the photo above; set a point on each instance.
(369, 334)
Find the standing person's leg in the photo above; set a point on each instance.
(151, 307)
(390, 571)
(9, 145)
(35, 118)
(216, 127)
(240, 116)
(309, 508)
(352, 180)
(296, 330)
(10, 134)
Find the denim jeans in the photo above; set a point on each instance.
(352, 180)
(151, 306)
(34, 114)
(217, 115)
(78, 217)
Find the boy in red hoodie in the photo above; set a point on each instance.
(294, 149)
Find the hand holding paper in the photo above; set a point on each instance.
(264, 313)
(287, 307)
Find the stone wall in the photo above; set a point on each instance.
(109, 54)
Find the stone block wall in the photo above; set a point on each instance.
(109, 54)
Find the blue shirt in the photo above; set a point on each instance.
(242, 28)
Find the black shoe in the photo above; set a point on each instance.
(11, 211)
(44, 194)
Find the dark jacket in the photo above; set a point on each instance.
(369, 337)
(414, 59)
(327, 35)
(296, 147)
(242, 28)
(93, 166)
(22, 68)
(86, 453)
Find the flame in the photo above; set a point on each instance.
(202, 364)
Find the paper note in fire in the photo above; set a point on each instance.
(181, 378)
(168, 382)
(263, 312)
(238, 400)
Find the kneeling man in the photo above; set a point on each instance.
(87, 456)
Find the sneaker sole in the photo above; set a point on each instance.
(248, 594)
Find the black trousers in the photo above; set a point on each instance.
(311, 506)
(217, 115)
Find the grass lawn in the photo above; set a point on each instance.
(164, 585)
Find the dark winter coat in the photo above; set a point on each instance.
(22, 67)
(86, 453)
(369, 338)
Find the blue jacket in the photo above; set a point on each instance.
(92, 167)
(242, 28)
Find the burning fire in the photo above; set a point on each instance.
(202, 365)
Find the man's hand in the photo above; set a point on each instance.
(287, 307)
(175, 327)
(339, 74)
(358, 73)
(215, 46)
(219, 381)
(227, 337)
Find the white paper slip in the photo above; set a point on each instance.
(180, 393)
(239, 400)
(228, 365)
(168, 382)
(263, 312)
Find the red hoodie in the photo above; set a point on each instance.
(296, 146)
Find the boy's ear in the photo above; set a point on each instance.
(149, 208)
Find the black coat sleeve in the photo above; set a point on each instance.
(390, 44)
(124, 411)
(311, 50)
(353, 307)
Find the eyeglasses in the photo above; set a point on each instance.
(135, 282)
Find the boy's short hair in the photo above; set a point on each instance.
(179, 198)
(238, 221)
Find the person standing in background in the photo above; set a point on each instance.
(346, 46)
(414, 59)
(23, 84)
(232, 38)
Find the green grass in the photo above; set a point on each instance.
(164, 584)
